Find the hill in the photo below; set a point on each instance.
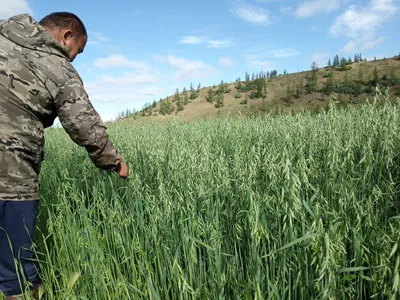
(351, 83)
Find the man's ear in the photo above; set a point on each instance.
(66, 35)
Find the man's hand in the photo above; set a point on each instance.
(122, 170)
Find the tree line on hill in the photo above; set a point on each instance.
(255, 87)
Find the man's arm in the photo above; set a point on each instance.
(85, 127)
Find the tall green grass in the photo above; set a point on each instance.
(290, 207)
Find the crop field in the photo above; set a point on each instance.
(286, 207)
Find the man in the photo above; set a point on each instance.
(37, 84)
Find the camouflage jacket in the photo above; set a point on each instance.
(37, 84)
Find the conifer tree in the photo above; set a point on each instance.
(176, 97)
(210, 95)
(264, 92)
(375, 80)
(186, 99)
(179, 104)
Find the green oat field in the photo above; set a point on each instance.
(285, 207)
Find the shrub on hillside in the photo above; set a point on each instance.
(193, 95)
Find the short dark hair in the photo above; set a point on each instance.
(64, 20)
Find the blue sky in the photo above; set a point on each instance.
(139, 51)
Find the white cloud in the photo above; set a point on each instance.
(357, 21)
(124, 95)
(263, 65)
(362, 44)
(159, 58)
(129, 79)
(283, 53)
(14, 7)
(268, 1)
(117, 60)
(225, 62)
(96, 38)
(251, 14)
(199, 40)
(193, 40)
(260, 54)
(360, 24)
(218, 43)
(128, 88)
(312, 7)
(189, 68)
(286, 9)
(321, 58)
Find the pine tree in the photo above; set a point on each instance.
(239, 86)
(314, 66)
(176, 97)
(220, 101)
(312, 82)
(179, 105)
(329, 63)
(336, 62)
(210, 95)
(154, 103)
(221, 87)
(375, 80)
(186, 99)
(264, 92)
(329, 85)
(193, 95)
(343, 64)
(166, 107)
(259, 87)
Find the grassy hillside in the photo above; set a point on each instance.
(350, 84)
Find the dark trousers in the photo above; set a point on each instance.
(17, 225)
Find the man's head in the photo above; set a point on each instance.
(68, 30)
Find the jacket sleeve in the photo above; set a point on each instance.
(84, 125)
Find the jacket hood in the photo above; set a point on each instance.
(25, 31)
